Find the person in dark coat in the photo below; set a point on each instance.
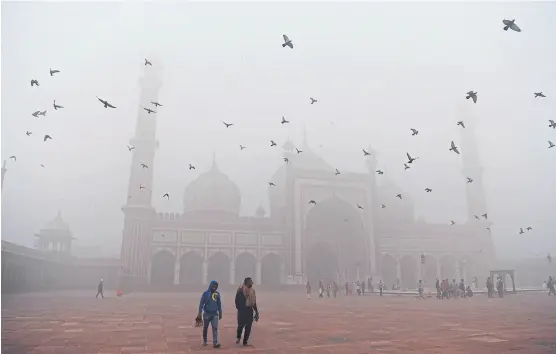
(246, 305)
(100, 289)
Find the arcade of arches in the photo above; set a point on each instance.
(192, 269)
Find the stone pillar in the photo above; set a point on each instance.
(258, 276)
(177, 271)
(232, 272)
(205, 272)
(398, 269)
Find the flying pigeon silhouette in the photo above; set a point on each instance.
(521, 231)
(13, 157)
(284, 120)
(406, 166)
(105, 103)
(42, 166)
(477, 217)
(414, 131)
(241, 147)
(144, 166)
(57, 106)
(28, 133)
(156, 104)
(46, 137)
(510, 24)
(485, 215)
(488, 228)
(472, 95)
(454, 148)
(287, 42)
(411, 159)
(399, 196)
(298, 151)
(313, 100)
(148, 62)
(34, 82)
(539, 94)
(271, 184)
(52, 72)
(469, 180)
(286, 160)
(383, 206)
(141, 187)
(130, 147)
(366, 153)
(272, 143)
(529, 228)
(149, 111)
(312, 202)
(167, 196)
(360, 207)
(36, 114)
(337, 172)
(452, 222)
(191, 167)
(552, 124)
(550, 144)
(461, 123)
(428, 190)
(227, 124)
(380, 172)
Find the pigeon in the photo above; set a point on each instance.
(428, 190)
(42, 166)
(52, 72)
(472, 95)
(313, 100)
(227, 124)
(383, 206)
(550, 144)
(521, 231)
(191, 167)
(167, 196)
(469, 180)
(46, 137)
(360, 207)
(34, 82)
(156, 104)
(552, 124)
(298, 151)
(510, 24)
(452, 222)
(148, 62)
(28, 133)
(312, 202)
(272, 143)
(411, 159)
(36, 114)
(57, 106)
(461, 123)
(241, 147)
(406, 166)
(380, 172)
(414, 131)
(485, 215)
(539, 94)
(287, 42)
(43, 113)
(284, 120)
(337, 172)
(271, 184)
(130, 147)
(105, 103)
(141, 187)
(366, 153)
(144, 166)
(529, 228)
(286, 160)
(488, 228)
(13, 157)
(399, 196)
(477, 217)
(454, 148)
(149, 111)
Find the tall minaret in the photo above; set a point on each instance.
(139, 214)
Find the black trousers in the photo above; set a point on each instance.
(100, 293)
(244, 320)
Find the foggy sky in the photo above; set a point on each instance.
(376, 69)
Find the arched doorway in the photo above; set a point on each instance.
(162, 268)
(335, 241)
(429, 276)
(270, 270)
(246, 266)
(448, 267)
(191, 269)
(409, 269)
(388, 266)
(219, 268)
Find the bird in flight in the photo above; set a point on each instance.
(42, 166)
(550, 144)
(521, 231)
(34, 82)
(52, 72)
(461, 123)
(428, 190)
(477, 217)
(511, 24)
(271, 184)
(529, 228)
(156, 104)
(411, 159)
(57, 106)
(452, 222)
(337, 172)
(28, 133)
(167, 196)
(241, 147)
(454, 148)
(284, 120)
(469, 180)
(366, 153)
(406, 166)
(149, 111)
(383, 206)
(105, 103)
(298, 151)
(380, 172)
(148, 62)
(191, 167)
(488, 228)
(286, 160)
(227, 124)
(130, 147)
(144, 166)
(36, 114)
(552, 124)
(485, 215)
(13, 157)
(312, 202)
(360, 207)
(414, 132)
(472, 95)
(287, 42)
(46, 137)
(43, 113)
(272, 143)
(399, 196)
(313, 100)
(141, 187)
(539, 94)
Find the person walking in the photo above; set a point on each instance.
(246, 305)
(210, 309)
(308, 288)
(100, 288)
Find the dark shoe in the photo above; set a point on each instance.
(217, 345)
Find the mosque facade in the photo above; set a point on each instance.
(345, 235)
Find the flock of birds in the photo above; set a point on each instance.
(508, 24)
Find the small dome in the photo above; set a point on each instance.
(58, 223)
(213, 191)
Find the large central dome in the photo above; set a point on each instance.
(212, 191)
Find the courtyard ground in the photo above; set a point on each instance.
(75, 323)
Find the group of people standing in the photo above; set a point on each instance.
(333, 288)
(446, 289)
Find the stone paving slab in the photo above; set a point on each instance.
(163, 323)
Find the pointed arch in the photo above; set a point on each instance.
(219, 268)
(246, 266)
(162, 268)
(409, 269)
(191, 268)
(389, 267)
(270, 270)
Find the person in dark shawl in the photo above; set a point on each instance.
(246, 305)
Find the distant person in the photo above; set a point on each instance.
(362, 287)
(347, 288)
(462, 288)
(321, 289)
(370, 284)
(490, 287)
(335, 288)
(438, 289)
(469, 292)
(551, 286)
(210, 308)
(246, 305)
(380, 286)
(308, 288)
(421, 290)
(500, 287)
(358, 288)
(100, 289)
(328, 290)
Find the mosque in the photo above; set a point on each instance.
(345, 235)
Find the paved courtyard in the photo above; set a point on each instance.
(163, 323)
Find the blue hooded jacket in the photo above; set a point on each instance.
(210, 301)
